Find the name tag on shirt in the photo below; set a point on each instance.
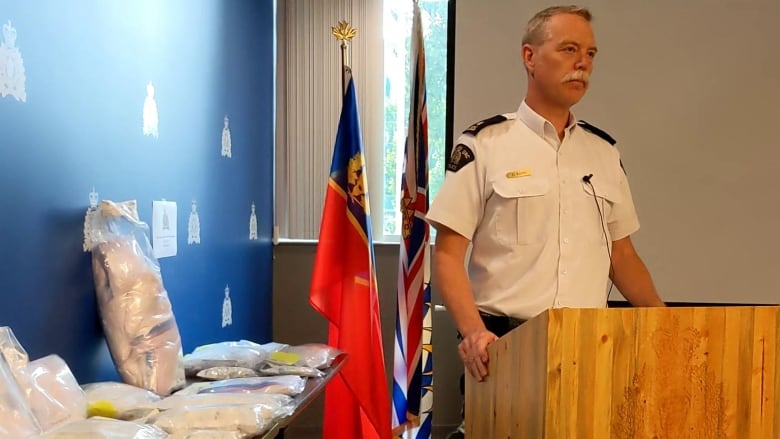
(519, 173)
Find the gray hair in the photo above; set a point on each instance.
(536, 29)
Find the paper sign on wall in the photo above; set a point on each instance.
(164, 228)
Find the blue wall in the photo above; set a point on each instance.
(87, 64)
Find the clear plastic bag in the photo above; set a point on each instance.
(273, 346)
(103, 428)
(16, 418)
(249, 420)
(224, 373)
(284, 384)
(278, 404)
(12, 350)
(192, 389)
(281, 369)
(207, 434)
(316, 355)
(52, 392)
(137, 317)
(119, 400)
(241, 353)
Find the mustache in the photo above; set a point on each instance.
(577, 75)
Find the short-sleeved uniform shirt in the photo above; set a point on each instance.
(540, 236)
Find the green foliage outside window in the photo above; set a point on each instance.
(434, 19)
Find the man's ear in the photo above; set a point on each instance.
(527, 52)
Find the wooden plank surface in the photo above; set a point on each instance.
(699, 372)
(518, 379)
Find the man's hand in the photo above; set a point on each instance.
(473, 352)
(631, 276)
(449, 273)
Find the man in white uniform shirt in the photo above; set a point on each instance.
(542, 198)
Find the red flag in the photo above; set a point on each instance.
(343, 289)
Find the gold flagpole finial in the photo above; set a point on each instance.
(344, 32)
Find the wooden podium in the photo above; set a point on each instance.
(709, 372)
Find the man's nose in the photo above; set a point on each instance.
(584, 62)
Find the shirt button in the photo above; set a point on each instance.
(564, 272)
(565, 240)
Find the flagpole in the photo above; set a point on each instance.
(344, 33)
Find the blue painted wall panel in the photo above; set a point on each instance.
(87, 65)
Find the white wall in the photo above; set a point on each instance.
(689, 90)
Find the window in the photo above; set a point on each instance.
(308, 103)
(397, 40)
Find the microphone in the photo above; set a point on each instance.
(586, 178)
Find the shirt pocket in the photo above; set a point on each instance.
(606, 196)
(521, 211)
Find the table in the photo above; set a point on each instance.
(314, 387)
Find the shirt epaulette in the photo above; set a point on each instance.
(597, 131)
(477, 127)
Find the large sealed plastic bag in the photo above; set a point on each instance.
(119, 400)
(208, 434)
(283, 384)
(16, 418)
(137, 317)
(311, 355)
(52, 392)
(12, 350)
(250, 420)
(275, 405)
(243, 353)
(104, 428)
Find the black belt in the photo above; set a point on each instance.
(500, 325)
